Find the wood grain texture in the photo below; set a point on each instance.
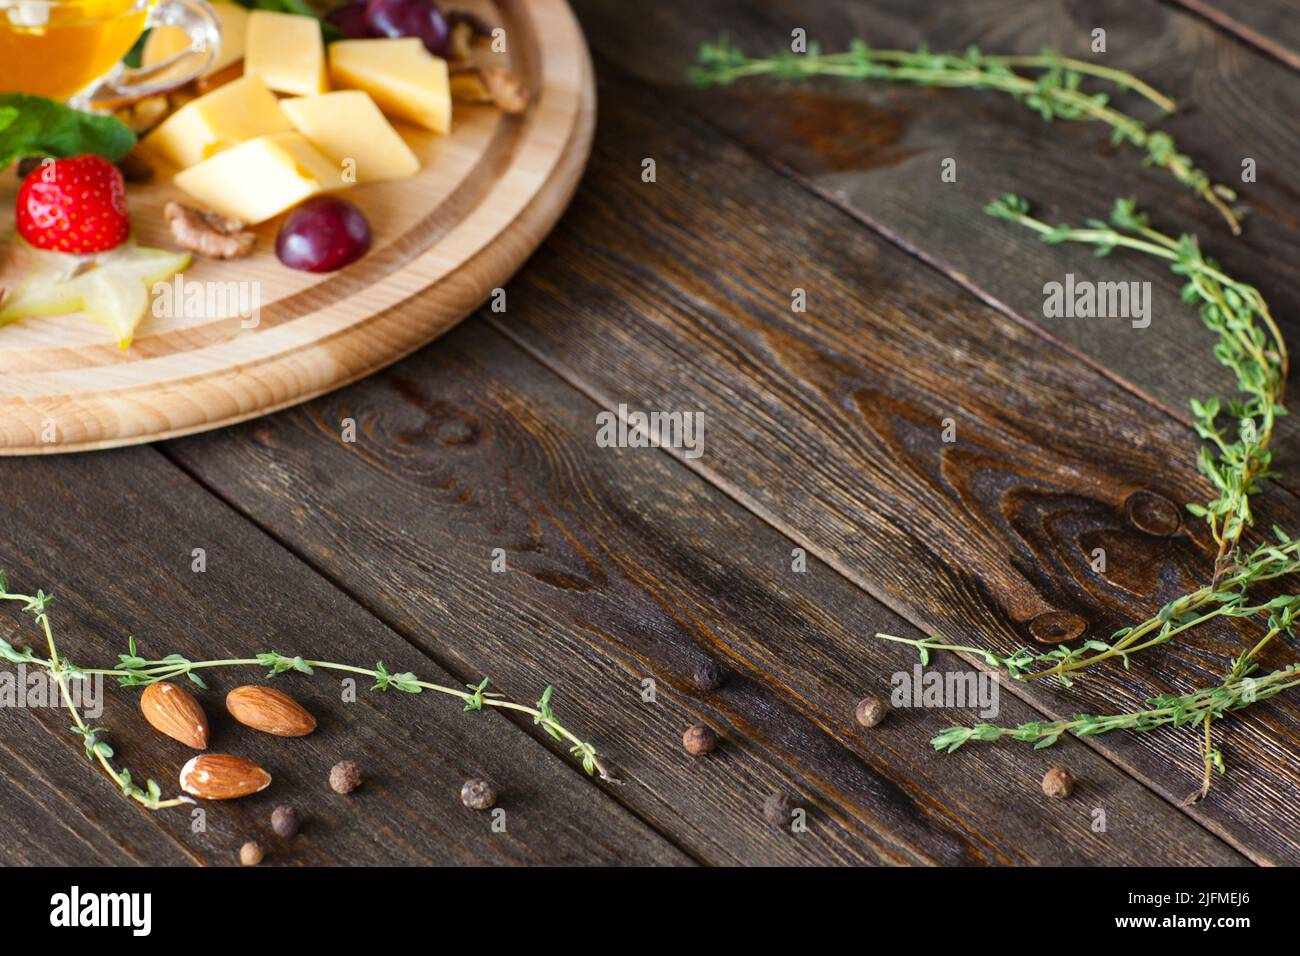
(52, 805)
(486, 196)
(822, 432)
(112, 535)
(876, 149)
(829, 425)
(623, 567)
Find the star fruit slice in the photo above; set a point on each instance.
(113, 289)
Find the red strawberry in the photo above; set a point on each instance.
(73, 205)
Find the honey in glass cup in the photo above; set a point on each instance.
(59, 48)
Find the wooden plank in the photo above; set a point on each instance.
(112, 535)
(876, 148)
(676, 295)
(47, 824)
(622, 567)
(1271, 25)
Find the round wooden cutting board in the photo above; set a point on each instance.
(484, 199)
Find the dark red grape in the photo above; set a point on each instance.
(323, 234)
(350, 19)
(410, 18)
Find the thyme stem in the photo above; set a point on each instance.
(133, 670)
(1251, 345)
(1256, 353)
(1188, 710)
(96, 748)
(1054, 94)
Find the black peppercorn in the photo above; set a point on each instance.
(777, 808)
(345, 776)
(707, 674)
(871, 711)
(1058, 783)
(478, 795)
(285, 822)
(699, 740)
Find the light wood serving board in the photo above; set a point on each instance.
(443, 240)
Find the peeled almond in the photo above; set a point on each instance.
(222, 777)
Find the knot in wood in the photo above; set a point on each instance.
(1057, 627)
(457, 431)
(1153, 514)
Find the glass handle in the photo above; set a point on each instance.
(126, 84)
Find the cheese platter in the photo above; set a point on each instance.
(318, 211)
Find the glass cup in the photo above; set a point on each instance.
(72, 49)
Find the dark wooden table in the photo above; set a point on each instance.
(823, 433)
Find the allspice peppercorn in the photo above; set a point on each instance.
(707, 674)
(250, 854)
(871, 711)
(777, 808)
(478, 795)
(345, 776)
(285, 822)
(699, 740)
(1058, 783)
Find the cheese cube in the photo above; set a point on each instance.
(261, 178)
(227, 116)
(347, 126)
(286, 51)
(400, 74)
(164, 42)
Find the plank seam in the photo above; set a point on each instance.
(150, 815)
(1232, 27)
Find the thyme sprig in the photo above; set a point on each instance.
(133, 670)
(1229, 599)
(1249, 344)
(1054, 93)
(1015, 664)
(1194, 709)
(62, 670)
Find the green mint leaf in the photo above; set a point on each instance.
(37, 126)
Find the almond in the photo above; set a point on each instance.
(173, 710)
(269, 711)
(222, 777)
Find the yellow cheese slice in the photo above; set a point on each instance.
(229, 115)
(286, 51)
(348, 128)
(262, 177)
(402, 77)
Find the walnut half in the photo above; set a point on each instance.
(217, 237)
(489, 84)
